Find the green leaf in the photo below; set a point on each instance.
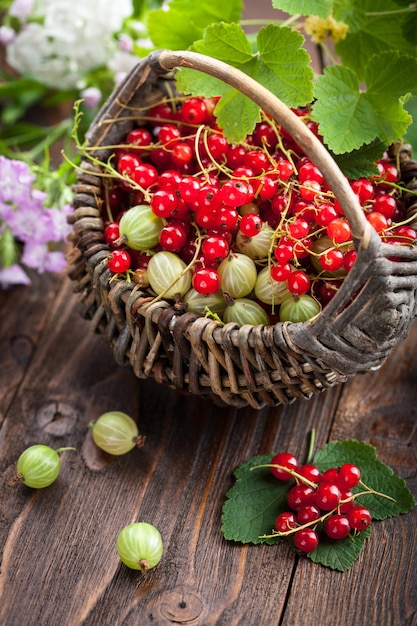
(349, 117)
(372, 29)
(228, 41)
(375, 474)
(8, 249)
(281, 65)
(284, 65)
(339, 555)
(322, 8)
(253, 503)
(184, 21)
(361, 163)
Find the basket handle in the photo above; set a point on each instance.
(167, 60)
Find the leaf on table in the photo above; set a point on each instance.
(339, 555)
(253, 503)
(322, 8)
(281, 65)
(374, 474)
(349, 117)
(184, 21)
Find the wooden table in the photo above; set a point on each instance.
(59, 561)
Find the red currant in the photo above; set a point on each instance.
(285, 459)
(285, 521)
(300, 495)
(337, 526)
(349, 475)
(327, 496)
(306, 540)
(308, 513)
(119, 261)
(359, 517)
(206, 280)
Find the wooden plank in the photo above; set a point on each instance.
(58, 544)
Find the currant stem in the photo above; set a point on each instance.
(311, 443)
(293, 473)
(372, 492)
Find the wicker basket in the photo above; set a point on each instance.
(246, 365)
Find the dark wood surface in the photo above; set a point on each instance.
(59, 561)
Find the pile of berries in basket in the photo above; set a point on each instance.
(248, 233)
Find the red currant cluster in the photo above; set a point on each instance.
(212, 202)
(318, 502)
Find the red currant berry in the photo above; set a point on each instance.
(308, 171)
(306, 540)
(163, 203)
(349, 476)
(378, 221)
(364, 189)
(194, 111)
(285, 169)
(308, 513)
(346, 502)
(214, 249)
(300, 495)
(385, 204)
(326, 213)
(235, 193)
(310, 472)
(250, 224)
(286, 460)
(173, 237)
(330, 476)
(206, 280)
(339, 230)
(218, 146)
(181, 153)
(139, 138)
(349, 259)
(298, 282)
(119, 261)
(145, 175)
(168, 133)
(332, 259)
(337, 526)
(280, 272)
(285, 521)
(111, 233)
(359, 517)
(327, 496)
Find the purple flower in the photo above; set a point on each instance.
(21, 9)
(13, 275)
(36, 229)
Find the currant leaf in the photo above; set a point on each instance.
(349, 117)
(284, 65)
(228, 40)
(184, 21)
(339, 555)
(281, 65)
(376, 475)
(370, 31)
(322, 8)
(361, 163)
(253, 503)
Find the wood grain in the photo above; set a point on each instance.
(59, 563)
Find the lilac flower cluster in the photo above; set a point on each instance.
(31, 234)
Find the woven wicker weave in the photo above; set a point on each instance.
(246, 365)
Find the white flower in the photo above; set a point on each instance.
(69, 39)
